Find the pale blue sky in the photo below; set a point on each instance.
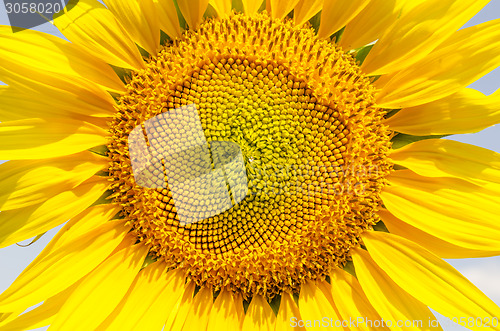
(484, 272)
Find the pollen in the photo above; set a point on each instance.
(302, 118)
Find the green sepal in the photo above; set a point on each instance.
(102, 173)
(328, 279)
(100, 150)
(216, 294)
(182, 21)
(401, 139)
(119, 216)
(349, 267)
(262, 7)
(275, 303)
(196, 290)
(391, 112)
(210, 12)
(335, 38)
(373, 79)
(144, 53)
(150, 259)
(125, 75)
(315, 22)
(380, 226)
(246, 303)
(362, 53)
(238, 6)
(164, 38)
(103, 199)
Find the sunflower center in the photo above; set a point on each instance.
(250, 155)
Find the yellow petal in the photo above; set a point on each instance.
(64, 267)
(25, 183)
(222, 7)
(252, 6)
(68, 96)
(441, 248)
(352, 302)
(140, 20)
(197, 318)
(372, 22)
(449, 158)
(146, 305)
(337, 13)
(85, 222)
(288, 314)
(6, 318)
(463, 58)
(259, 315)
(45, 87)
(101, 291)
(224, 314)
(29, 52)
(193, 11)
(21, 224)
(238, 300)
(169, 21)
(465, 111)
(179, 312)
(418, 32)
(447, 208)
(326, 288)
(93, 27)
(46, 138)
(281, 8)
(53, 98)
(174, 290)
(314, 305)
(42, 315)
(305, 10)
(389, 300)
(428, 278)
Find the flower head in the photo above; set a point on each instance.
(248, 164)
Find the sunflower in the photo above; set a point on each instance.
(250, 165)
